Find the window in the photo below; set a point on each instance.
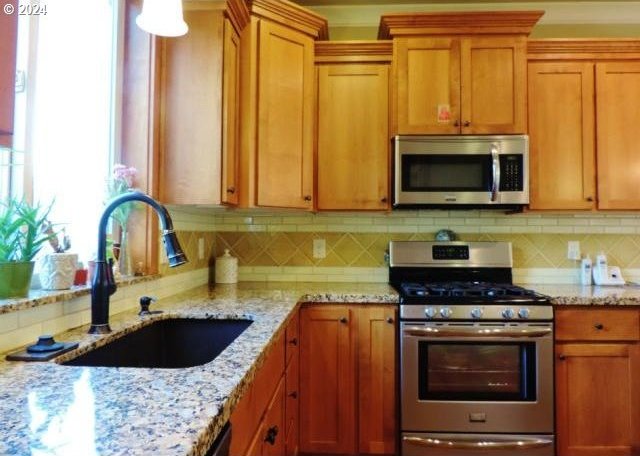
(64, 126)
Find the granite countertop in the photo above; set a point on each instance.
(624, 295)
(49, 409)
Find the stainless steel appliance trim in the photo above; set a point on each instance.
(420, 253)
(460, 145)
(479, 444)
(475, 332)
(495, 164)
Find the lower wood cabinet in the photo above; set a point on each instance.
(598, 382)
(347, 379)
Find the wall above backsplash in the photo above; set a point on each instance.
(279, 245)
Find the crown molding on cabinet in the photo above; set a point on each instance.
(291, 15)
(459, 22)
(353, 51)
(583, 49)
(235, 10)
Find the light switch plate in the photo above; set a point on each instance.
(319, 248)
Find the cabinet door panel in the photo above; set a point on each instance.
(618, 135)
(285, 117)
(561, 134)
(327, 383)
(230, 114)
(353, 137)
(493, 92)
(377, 379)
(8, 38)
(428, 77)
(274, 430)
(597, 397)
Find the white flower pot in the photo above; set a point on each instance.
(57, 270)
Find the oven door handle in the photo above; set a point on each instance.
(479, 444)
(474, 332)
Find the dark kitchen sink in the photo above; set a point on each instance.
(171, 343)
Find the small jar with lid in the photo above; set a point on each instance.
(226, 268)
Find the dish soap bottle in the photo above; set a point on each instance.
(585, 270)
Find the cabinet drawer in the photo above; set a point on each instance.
(588, 324)
(292, 338)
(268, 377)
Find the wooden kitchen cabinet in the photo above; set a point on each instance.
(200, 91)
(347, 379)
(278, 105)
(353, 125)
(265, 421)
(597, 382)
(8, 40)
(561, 133)
(460, 73)
(582, 124)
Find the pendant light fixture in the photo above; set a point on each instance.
(162, 17)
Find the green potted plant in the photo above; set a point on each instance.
(22, 235)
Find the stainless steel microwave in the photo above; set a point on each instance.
(462, 171)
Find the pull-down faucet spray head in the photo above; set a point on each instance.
(103, 284)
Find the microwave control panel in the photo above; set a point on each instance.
(511, 173)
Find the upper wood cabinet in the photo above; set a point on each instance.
(278, 105)
(581, 112)
(561, 134)
(459, 72)
(597, 382)
(352, 160)
(8, 39)
(199, 132)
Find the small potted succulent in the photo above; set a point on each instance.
(22, 234)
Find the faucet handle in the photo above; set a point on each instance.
(145, 302)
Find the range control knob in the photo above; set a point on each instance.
(446, 312)
(524, 313)
(508, 313)
(430, 312)
(476, 312)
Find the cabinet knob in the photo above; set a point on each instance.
(467, 123)
(589, 198)
(307, 198)
(272, 433)
(599, 326)
(231, 190)
(456, 123)
(343, 320)
(383, 199)
(389, 319)
(293, 394)
(561, 357)
(294, 341)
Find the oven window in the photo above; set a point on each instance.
(477, 371)
(446, 173)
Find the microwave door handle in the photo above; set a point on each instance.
(480, 444)
(495, 186)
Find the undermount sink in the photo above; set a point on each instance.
(170, 343)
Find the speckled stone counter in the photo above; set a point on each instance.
(628, 295)
(50, 409)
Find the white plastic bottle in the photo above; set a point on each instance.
(601, 264)
(585, 270)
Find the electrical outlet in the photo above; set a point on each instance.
(201, 248)
(573, 250)
(319, 248)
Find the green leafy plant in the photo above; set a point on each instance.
(22, 232)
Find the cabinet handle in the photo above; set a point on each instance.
(231, 190)
(599, 326)
(383, 199)
(589, 198)
(293, 394)
(562, 357)
(389, 319)
(467, 123)
(272, 433)
(343, 320)
(294, 341)
(456, 123)
(307, 198)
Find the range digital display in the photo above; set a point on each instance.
(450, 252)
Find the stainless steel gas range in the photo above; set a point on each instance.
(476, 352)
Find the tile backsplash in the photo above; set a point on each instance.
(279, 246)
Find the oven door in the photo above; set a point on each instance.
(437, 444)
(477, 377)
